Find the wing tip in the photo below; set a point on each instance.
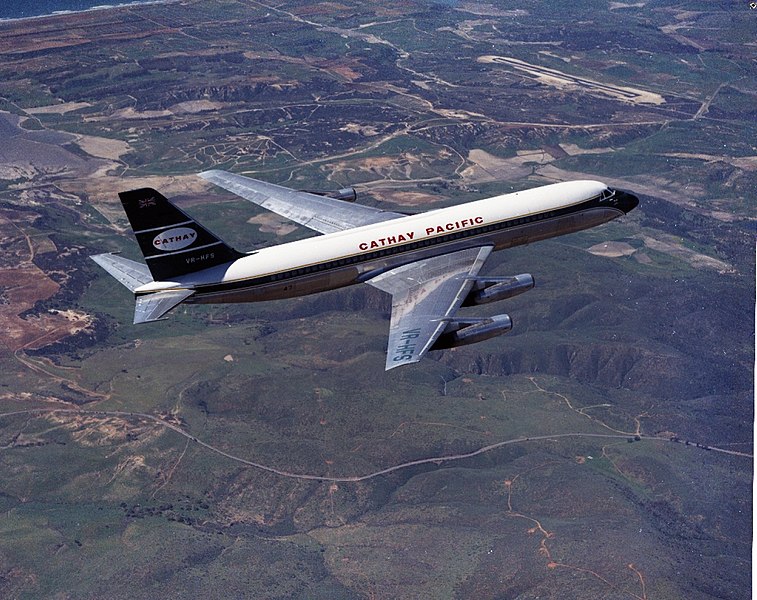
(391, 364)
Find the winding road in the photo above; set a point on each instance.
(351, 478)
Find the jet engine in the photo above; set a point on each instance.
(348, 194)
(493, 289)
(461, 332)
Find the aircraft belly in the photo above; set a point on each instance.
(534, 232)
(592, 217)
(279, 290)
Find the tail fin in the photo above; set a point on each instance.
(172, 242)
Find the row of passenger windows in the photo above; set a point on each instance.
(359, 258)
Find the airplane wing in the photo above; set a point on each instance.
(425, 297)
(320, 213)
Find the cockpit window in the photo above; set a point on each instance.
(607, 194)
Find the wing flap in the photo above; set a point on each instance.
(426, 294)
(320, 213)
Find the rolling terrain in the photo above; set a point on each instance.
(603, 449)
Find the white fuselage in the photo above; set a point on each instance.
(347, 257)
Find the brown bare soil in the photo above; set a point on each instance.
(23, 284)
(271, 223)
(405, 198)
(612, 249)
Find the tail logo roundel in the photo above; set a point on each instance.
(174, 239)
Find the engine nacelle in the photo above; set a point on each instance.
(493, 289)
(461, 332)
(348, 194)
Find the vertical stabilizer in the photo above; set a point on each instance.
(172, 242)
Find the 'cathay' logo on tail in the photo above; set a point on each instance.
(174, 239)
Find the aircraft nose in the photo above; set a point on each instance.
(626, 201)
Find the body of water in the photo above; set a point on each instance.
(19, 9)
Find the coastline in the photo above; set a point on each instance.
(61, 13)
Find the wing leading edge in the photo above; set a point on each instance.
(320, 213)
(426, 294)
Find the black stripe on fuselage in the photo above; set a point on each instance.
(367, 257)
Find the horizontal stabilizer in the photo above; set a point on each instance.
(127, 272)
(151, 307)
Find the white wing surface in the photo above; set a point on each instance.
(320, 213)
(426, 295)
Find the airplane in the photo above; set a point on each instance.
(429, 262)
